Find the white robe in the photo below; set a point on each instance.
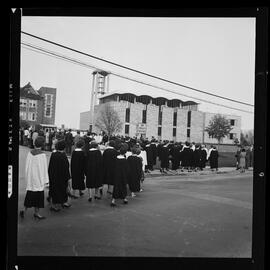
(36, 172)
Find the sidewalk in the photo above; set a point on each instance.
(206, 171)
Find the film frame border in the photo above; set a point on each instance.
(257, 261)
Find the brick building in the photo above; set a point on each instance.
(37, 106)
(165, 119)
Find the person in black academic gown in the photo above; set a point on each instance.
(59, 176)
(121, 174)
(213, 159)
(197, 157)
(203, 156)
(151, 154)
(109, 158)
(159, 146)
(175, 153)
(77, 166)
(135, 171)
(153, 147)
(93, 171)
(185, 156)
(164, 157)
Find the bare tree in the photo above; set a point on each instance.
(218, 127)
(108, 120)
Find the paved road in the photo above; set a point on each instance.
(189, 215)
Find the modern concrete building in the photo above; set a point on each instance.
(147, 116)
(165, 119)
(38, 106)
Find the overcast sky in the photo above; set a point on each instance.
(215, 55)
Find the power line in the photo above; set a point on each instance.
(74, 61)
(137, 71)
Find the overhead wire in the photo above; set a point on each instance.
(74, 61)
(135, 70)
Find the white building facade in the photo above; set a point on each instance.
(159, 117)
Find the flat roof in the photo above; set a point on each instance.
(117, 92)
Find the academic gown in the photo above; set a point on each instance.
(77, 166)
(192, 157)
(159, 147)
(58, 177)
(175, 153)
(121, 174)
(153, 147)
(185, 156)
(109, 158)
(93, 169)
(150, 156)
(135, 172)
(213, 159)
(203, 158)
(197, 158)
(164, 157)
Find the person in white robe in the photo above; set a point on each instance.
(36, 175)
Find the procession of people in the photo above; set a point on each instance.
(115, 164)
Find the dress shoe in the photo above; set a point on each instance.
(66, 205)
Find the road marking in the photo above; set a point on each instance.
(212, 198)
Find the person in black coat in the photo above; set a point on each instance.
(50, 140)
(69, 141)
(164, 157)
(77, 166)
(59, 176)
(87, 141)
(93, 171)
(109, 158)
(121, 174)
(135, 171)
(237, 156)
(213, 159)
